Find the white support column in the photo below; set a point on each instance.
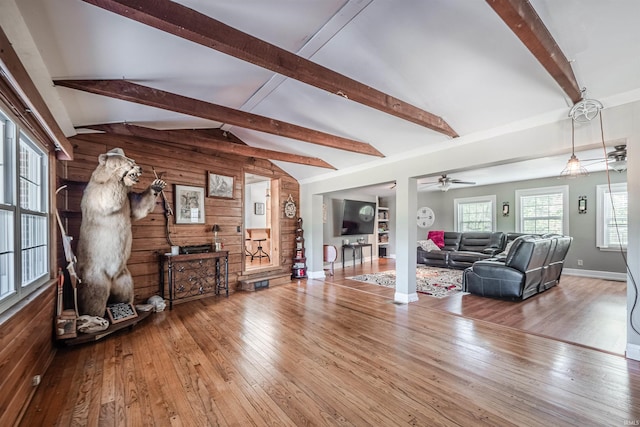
(313, 229)
(633, 247)
(406, 208)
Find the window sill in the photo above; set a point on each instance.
(612, 249)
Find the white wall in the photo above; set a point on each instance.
(255, 193)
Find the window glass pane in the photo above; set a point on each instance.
(542, 213)
(7, 276)
(615, 219)
(33, 218)
(6, 131)
(31, 185)
(34, 247)
(475, 216)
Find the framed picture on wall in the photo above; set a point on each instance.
(258, 208)
(189, 204)
(219, 186)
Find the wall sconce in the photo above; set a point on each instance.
(582, 204)
(505, 209)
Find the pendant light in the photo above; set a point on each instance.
(573, 169)
(583, 111)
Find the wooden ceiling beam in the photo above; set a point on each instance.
(189, 24)
(200, 140)
(521, 17)
(133, 92)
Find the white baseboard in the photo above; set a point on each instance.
(633, 351)
(405, 298)
(596, 274)
(316, 274)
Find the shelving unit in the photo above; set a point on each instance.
(299, 267)
(382, 231)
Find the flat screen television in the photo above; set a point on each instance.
(358, 217)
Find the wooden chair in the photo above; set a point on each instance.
(330, 254)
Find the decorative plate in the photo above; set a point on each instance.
(290, 208)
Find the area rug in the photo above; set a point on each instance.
(432, 281)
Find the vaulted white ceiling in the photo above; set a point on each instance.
(456, 59)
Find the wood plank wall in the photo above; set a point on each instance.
(27, 338)
(185, 166)
(26, 349)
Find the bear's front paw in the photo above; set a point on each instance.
(157, 186)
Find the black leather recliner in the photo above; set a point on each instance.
(555, 261)
(533, 264)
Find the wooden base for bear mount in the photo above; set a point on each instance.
(114, 327)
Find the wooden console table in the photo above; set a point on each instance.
(354, 249)
(190, 276)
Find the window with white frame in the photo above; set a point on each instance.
(24, 243)
(543, 210)
(475, 213)
(611, 216)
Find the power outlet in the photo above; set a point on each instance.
(35, 381)
(580, 262)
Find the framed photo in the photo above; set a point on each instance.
(258, 208)
(220, 186)
(189, 204)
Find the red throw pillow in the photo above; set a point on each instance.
(437, 237)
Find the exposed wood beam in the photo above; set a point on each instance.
(189, 24)
(523, 20)
(197, 139)
(133, 92)
(19, 75)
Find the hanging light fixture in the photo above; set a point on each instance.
(573, 169)
(583, 111)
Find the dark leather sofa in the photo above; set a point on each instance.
(532, 265)
(461, 250)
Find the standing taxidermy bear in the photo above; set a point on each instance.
(108, 205)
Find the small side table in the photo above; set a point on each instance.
(355, 248)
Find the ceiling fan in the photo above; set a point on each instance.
(444, 182)
(616, 159)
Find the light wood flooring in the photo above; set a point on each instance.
(339, 352)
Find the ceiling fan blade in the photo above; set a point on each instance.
(457, 181)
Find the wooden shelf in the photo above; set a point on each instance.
(114, 327)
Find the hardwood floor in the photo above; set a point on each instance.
(339, 352)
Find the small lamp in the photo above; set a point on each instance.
(505, 209)
(216, 244)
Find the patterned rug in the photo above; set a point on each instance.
(432, 281)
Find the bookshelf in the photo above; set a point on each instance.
(382, 231)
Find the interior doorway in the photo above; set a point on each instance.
(261, 222)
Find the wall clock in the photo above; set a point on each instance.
(426, 217)
(290, 208)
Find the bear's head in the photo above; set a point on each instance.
(115, 164)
